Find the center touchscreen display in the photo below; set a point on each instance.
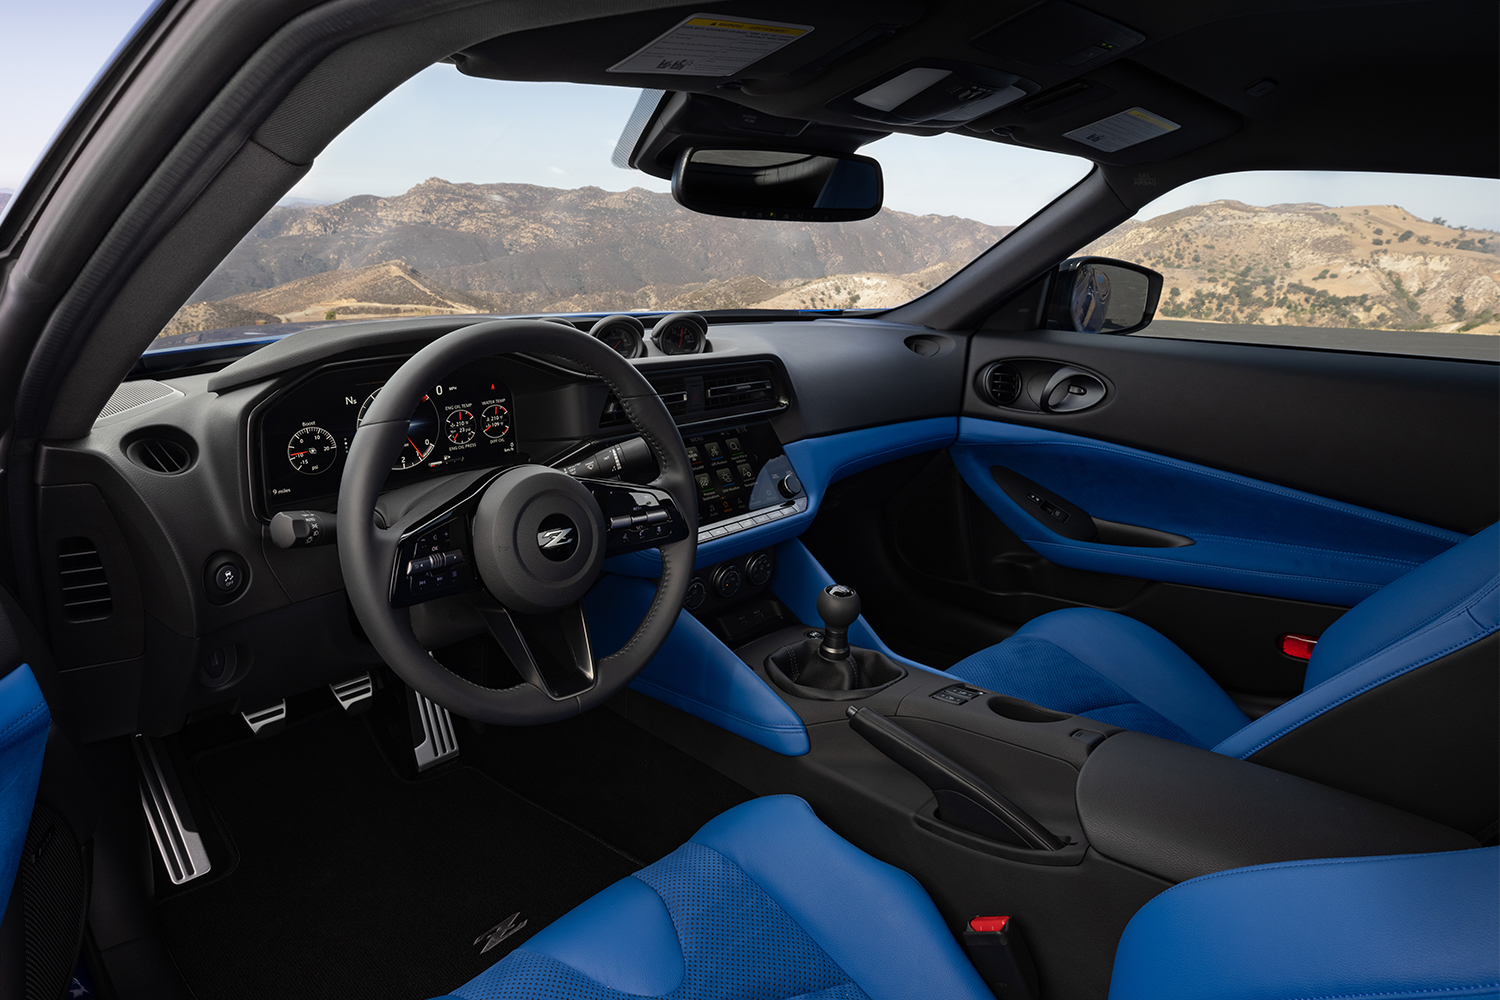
(737, 470)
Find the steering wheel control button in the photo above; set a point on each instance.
(224, 577)
(433, 563)
(558, 537)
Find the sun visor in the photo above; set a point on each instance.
(1119, 115)
(777, 42)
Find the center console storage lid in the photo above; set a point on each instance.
(1179, 812)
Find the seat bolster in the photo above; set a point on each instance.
(1417, 925)
(1145, 664)
(1468, 622)
(23, 742)
(874, 920)
(1454, 579)
(622, 938)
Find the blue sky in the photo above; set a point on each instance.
(443, 124)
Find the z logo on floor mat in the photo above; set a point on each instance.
(499, 932)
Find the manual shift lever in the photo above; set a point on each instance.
(838, 606)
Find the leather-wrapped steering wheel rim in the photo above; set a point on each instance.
(367, 551)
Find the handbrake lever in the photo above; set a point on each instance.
(964, 799)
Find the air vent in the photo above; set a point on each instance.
(712, 392)
(160, 454)
(85, 588)
(1001, 384)
(721, 392)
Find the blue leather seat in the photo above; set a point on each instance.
(23, 740)
(1432, 630)
(737, 913)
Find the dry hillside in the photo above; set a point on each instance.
(1310, 265)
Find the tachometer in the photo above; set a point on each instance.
(460, 427)
(681, 333)
(312, 450)
(421, 433)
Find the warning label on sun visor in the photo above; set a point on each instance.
(705, 45)
(1124, 129)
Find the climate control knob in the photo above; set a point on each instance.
(759, 569)
(727, 581)
(696, 595)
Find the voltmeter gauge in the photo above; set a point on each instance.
(460, 428)
(312, 450)
(421, 433)
(496, 422)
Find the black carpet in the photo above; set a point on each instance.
(353, 883)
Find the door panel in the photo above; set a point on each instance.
(1417, 438)
(1245, 535)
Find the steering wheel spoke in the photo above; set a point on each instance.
(434, 555)
(551, 651)
(637, 517)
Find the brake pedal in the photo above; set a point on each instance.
(266, 721)
(167, 814)
(435, 726)
(355, 694)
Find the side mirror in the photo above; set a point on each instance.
(1100, 295)
(778, 184)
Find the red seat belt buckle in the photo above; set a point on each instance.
(1001, 958)
(1298, 646)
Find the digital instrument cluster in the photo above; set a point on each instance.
(465, 421)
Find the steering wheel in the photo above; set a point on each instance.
(523, 544)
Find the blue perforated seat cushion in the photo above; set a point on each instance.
(764, 903)
(736, 941)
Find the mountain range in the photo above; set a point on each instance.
(518, 248)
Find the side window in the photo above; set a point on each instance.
(1389, 263)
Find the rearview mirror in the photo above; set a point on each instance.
(1100, 295)
(778, 184)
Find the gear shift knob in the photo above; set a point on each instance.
(838, 606)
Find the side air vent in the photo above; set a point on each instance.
(1000, 383)
(162, 450)
(85, 588)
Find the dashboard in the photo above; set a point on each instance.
(465, 421)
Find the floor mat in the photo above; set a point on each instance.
(352, 883)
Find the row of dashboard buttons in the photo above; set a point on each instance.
(752, 520)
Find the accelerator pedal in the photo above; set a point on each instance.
(167, 814)
(434, 725)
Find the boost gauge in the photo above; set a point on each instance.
(624, 333)
(312, 450)
(421, 433)
(681, 333)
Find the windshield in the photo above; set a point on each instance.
(456, 195)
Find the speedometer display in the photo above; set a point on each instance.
(465, 421)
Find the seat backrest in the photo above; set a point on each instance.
(23, 740)
(1400, 701)
(1414, 925)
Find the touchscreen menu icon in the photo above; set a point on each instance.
(713, 449)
